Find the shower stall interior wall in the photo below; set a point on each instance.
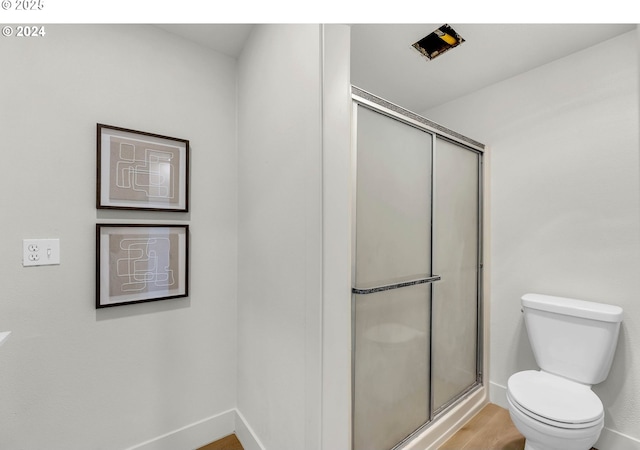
(417, 262)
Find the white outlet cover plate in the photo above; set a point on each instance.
(40, 252)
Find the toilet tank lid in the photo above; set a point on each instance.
(573, 307)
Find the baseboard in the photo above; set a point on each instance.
(194, 435)
(612, 440)
(498, 395)
(245, 433)
(205, 431)
(609, 439)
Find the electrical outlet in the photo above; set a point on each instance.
(40, 252)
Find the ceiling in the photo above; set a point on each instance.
(384, 63)
(224, 38)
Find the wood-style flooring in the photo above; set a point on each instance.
(230, 442)
(490, 429)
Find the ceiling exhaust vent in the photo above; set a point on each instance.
(435, 44)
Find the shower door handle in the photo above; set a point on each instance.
(388, 287)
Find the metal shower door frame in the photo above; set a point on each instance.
(370, 101)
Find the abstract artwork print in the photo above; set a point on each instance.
(143, 171)
(140, 263)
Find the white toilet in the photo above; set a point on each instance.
(573, 342)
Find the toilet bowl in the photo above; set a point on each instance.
(553, 412)
(573, 342)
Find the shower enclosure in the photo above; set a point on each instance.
(417, 272)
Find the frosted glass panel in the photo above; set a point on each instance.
(413, 353)
(393, 201)
(456, 260)
(391, 366)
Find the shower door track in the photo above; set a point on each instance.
(404, 115)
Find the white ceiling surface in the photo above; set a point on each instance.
(384, 63)
(224, 38)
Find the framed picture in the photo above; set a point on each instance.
(138, 170)
(141, 263)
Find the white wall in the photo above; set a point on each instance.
(565, 206)
(72, 377)
(279, 234)
(336, 229)
(281, 312)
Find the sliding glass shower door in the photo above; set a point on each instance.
(454, 337)
(393, 245)
(415, 276)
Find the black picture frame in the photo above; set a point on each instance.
(138, 263)
(141, 171)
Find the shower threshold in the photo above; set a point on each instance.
(447, 421)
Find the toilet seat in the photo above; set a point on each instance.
(554, 400)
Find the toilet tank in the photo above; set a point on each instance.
(572, 338)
